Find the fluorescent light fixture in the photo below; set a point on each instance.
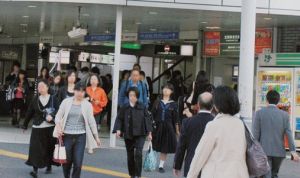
(153, 29)
(153, 13)
(213, 28)
(31, 6)
(268, 18)
(25, 16)
(86, 15)
(204, 22)
(24, 24)
(138, 23)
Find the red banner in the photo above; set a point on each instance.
(263, 39)
(212, 44)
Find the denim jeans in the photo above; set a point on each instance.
(75, 146)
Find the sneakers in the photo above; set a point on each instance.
(161, 170)
(90, 151)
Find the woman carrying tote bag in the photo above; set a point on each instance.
(75, 122)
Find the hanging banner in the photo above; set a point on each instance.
(159, 36)
(212, 43)
(263, 40)
(91, 38)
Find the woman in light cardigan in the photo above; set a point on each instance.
(75, 121)
(221, 152)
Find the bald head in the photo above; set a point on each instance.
(205, 101)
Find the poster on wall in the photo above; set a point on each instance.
(212, 43)
(263, 40)
(230, 43)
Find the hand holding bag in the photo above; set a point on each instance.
(60, 155)
(150, 162)
(256, 158)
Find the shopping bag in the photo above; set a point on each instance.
(150, 162)
(60, 155)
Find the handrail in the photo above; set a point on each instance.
(169, 69)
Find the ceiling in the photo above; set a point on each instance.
(21, 19)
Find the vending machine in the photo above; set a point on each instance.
(285, 79)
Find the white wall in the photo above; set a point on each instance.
(147, 65)
(127, 61)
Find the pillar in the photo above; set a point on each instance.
(247, 52)
(116, 73)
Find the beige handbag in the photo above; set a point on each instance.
(60, 155)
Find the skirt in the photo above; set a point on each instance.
(18, 103)
(41, 148)
(164, 138)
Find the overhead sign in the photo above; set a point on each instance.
(227, 43)
(83, 57)
(279, 59)
(46, 39)
(167, 50)
(212, 43)
(96, 58)
(159, 36)
(64, 57)
(129, 37)
(53, 57)
(91, 38)
(186, 50)
(230, 43)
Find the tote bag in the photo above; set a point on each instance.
(256, 158)
(60, 155)
(150, 162)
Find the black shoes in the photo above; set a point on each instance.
(33, 174)
(48, 170)
(161, 170)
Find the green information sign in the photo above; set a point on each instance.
(230, 43)
(280, 59)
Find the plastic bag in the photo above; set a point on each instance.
(150, 162)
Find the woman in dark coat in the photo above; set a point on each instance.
(21, 90)
(56, 84)
(134, 124)
(68, 90)
(42, 110)
(166, 129)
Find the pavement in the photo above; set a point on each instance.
(104, 163)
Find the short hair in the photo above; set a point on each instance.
(95, 70)
(84, 69)
(273, 97)
(17, 64)
(205, 104)
(43, 81)
(169, 86)
(226, 100)
(143, 73)
(135, 90)
(79, 87)
(135, 70)
(136, 65)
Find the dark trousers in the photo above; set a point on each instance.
(75, 146)
(134, 149)
(275, 163)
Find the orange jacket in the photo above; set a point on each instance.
(98, 99)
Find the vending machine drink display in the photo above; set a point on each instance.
(281, 72)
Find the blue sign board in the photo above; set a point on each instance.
(90, 38)
(298, 124)
(159, 36)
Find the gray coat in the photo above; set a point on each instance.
(269, 128)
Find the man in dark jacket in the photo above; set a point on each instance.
(191, 133)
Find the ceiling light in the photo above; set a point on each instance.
(86, 15)
(31, 6)
(153, 29)
(138, 23)
(153, 13)
(126, 30)
(213, 28)
(25, 16)
(268, 18)
(204, 22)
(24, 24)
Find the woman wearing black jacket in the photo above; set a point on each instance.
(68, 90)
(42, 110)
(134, 124)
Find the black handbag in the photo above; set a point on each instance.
(256, 158)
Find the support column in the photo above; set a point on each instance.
(116, 73)
(246, 69)
(198, 53)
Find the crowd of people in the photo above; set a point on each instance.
(200, 124)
